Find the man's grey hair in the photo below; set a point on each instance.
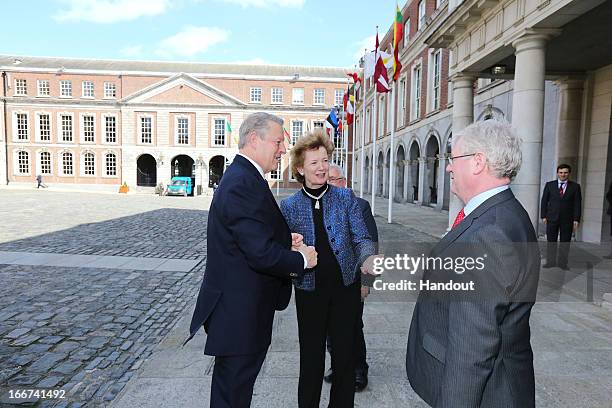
(498, 142)
(258, 122)
(338, 169)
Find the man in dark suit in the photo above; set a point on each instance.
(471, 348)
(337, 178)
(249, 264)
(560, 210)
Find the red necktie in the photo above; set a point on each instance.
(459, 218)
(561, 190)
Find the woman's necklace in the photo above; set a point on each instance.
(317, 198)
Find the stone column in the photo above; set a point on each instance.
(568, 123)
(422, 179)
(463, 116)
(441, 179)
(528, 116)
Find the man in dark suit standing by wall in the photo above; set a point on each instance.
(560, 210)
(338, 179)
(249, 264)
(471, 348)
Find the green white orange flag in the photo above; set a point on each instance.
(398, 34)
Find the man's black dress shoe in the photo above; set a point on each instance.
(361, 380)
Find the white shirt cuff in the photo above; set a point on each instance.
(305, 261)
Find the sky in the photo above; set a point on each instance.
(285, 32)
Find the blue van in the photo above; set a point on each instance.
(180, 186)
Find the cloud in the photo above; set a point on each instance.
(109, 11)
(367, 43)
(132, 51)
(267, 3)
(191, 41)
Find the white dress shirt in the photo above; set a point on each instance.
(477, 200)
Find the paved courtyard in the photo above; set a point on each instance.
(96, 292)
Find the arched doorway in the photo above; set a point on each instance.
(447, 193)
(413, 173)
(183, 166)
(399, 171)
(216, 167)
(366, 176)
(146, 171)
(432, 171)
(387, 173)
(380, 168)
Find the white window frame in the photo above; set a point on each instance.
(60, 127)
(108, 88)
(294, 138)
(16, 164)
(140, 117)
(294, 93)
(64, 88)
(438, 4)
(314, 123)
(41, 85)
(415, 92)
(338, 97)
(39, 166)
(279, 171)
(105, 164)
(16, 126)
(82, 162)
(104, 129)
(422, 15)
(38, 129)
(318, 99)
(176, 130)
(255, 94)
(60, 163)
(381, 114)
(407, 32)
(291, 177)
(272, 96)
(214, 132)
(82, 127)
(434, 90)
(21, 87)
(401, 106)
(85, 85)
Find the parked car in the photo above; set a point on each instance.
(180, 186)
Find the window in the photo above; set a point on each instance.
(88, 89)
(110, 129)
(388, 110)
(276, 173)
(88, 128)
(23, 162)
(381, 116)
(219, 132)
(182, 131)
(43, 87)
(435, 67)
(277, 95)
(297, 129)
(318, 124)
(44, 127)
(110, 90)
(298, 96)
(438, 4)
(338, 97)
(255, 95)
(406, 32)
(422, 15)
(66, 123)
(89, 164)
(402, 102)
(146, 129)
(319, 96)
(415, 108)
(67, 164)
(66, 89)
(45, 163)
(22, 126)
(21, 87)
(110, 164)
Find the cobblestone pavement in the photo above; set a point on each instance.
(86, 330)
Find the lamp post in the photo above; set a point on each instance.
(200, 163)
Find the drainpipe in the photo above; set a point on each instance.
(4, 85)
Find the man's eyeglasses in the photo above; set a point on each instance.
(336, 178)
(451, 158)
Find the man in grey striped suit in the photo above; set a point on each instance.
(471, 348)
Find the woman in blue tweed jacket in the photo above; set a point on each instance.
(328, 296)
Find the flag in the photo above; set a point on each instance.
(287, 137)
(398, 32)
(380, 72)
(349, 106)
(228, 128)
(332, 121)
(356, 80)
(370, 61)
(340, 126)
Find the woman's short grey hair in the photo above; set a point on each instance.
(339, 169)
(258, 122)
(498, 142)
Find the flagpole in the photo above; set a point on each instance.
(391, 166)
(375, 133)
(363, 127)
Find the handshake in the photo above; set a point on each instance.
(309, 252)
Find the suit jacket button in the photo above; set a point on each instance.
(293, 274)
